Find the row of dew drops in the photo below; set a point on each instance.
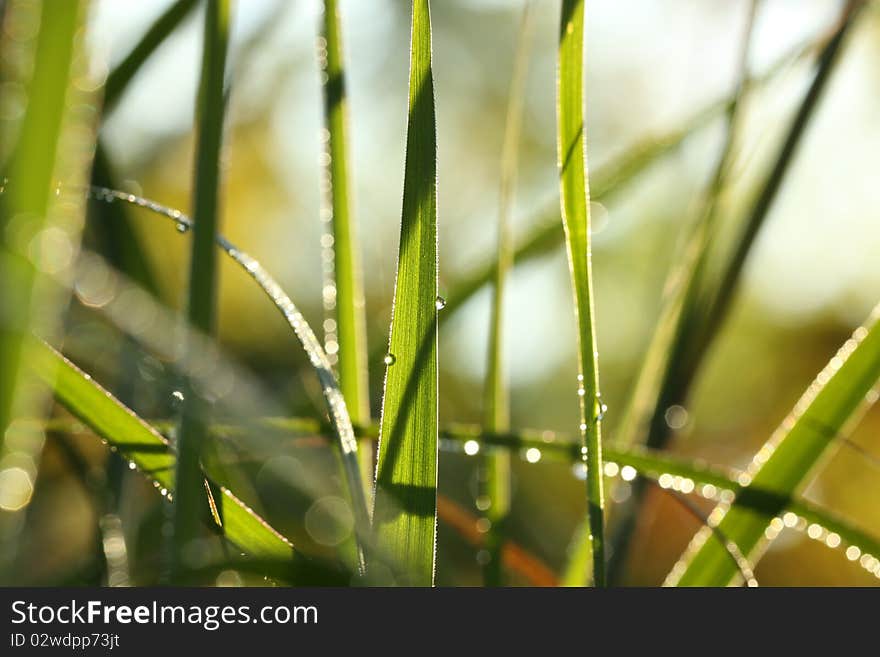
(675, 417)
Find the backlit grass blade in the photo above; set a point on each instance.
(340, 422)
(783, 466)
(657, 385)
(547, 233)
(33, 170)
(123, 73)
(405, 511)
(574, 192)
(349, 336)
(495, 469)
(718, 299)
(201, 303)
(139, 443)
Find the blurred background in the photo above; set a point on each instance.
(812, 277)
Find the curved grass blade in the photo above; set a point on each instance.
(340, 422)
(139, 443)
(123, 73)
(201, 300)
(782, 467)
(547, 234)
(346, 278)
(405, 506)
(494, 475)
(574, 191)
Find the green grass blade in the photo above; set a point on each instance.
(139, 443)
(495, 469)
(783, 466)
(547, 233)
(719, 299)
(350, 333)
(27, 202)
(660, 381)
(340, 422)
(201, 305)
(127, 69)
(571, 151)
(405, 510)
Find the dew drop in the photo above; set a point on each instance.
(177, 397)
(389, 359)
(131, 465)
(440, 303)
(181, 227)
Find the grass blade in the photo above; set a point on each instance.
(32, 167)
(139, 443)
(201, 305)
(782, 467)
(547, 234)
(350, 333)
(405, 510)
(659, 380)
(340, 422)
(571, 151)
(495, 469)
(127, 69)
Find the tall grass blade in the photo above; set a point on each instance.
(405, 507)
(783, 465)
(350, 336)
(495, 469)
(574, 192)
(44, 152)
(201, 303)
(28, 201)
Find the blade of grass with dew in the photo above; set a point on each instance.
(346, 338)
(783, 465)
(574, 192)
(669, 472)
(350, 331)
(340, 422)
(494, 476)
(139, 443)
(201, 303)
(405, 506)
(547, 234)
(28, 201)
(709, 482)
(656, 387)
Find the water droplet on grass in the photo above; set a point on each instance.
(440, 303)
(389, 359)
